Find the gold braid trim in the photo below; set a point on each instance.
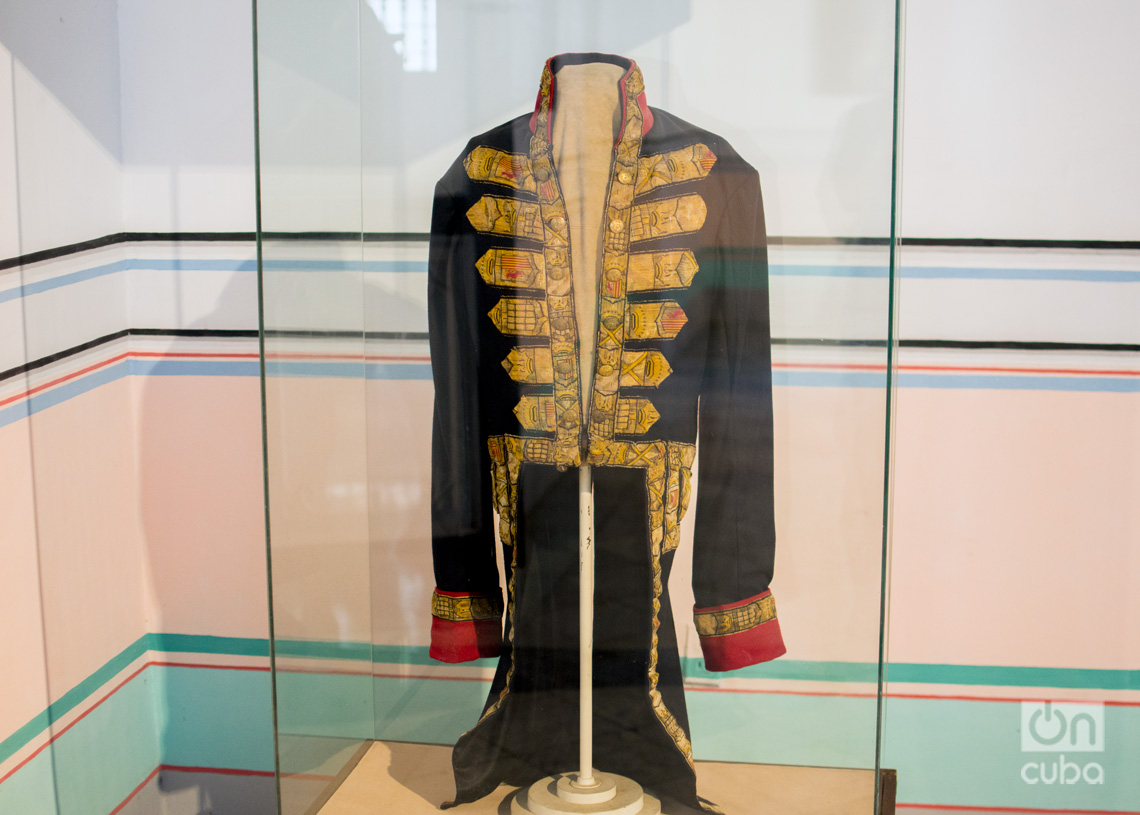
(678, 478)
(674, 167)
(563, 331)
(667, 486)
(607, 417)
(668, 216)
(466, 609)
(506, 216)
(510, 638)
(500, 167)
(735, 620)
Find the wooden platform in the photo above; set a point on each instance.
(414, 779)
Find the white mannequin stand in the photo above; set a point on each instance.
(583, 151)
(585, 792)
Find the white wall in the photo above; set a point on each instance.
(128, 116)
(1022, 120)
(1016, 116)
(138, 115)
(60, 129)
(187, 115)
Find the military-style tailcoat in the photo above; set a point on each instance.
(682, 360)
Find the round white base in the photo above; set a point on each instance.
(562, 795)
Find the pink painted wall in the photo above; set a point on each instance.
(88, 532)
(23, 686)
(197, 442)
(1016, 535)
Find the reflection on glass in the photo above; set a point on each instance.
(412, 23)
(315, 391)
(364, 107)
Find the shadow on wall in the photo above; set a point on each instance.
(37, 33)
(201, 513)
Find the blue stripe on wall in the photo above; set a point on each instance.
(957, 273)
(1087, 384)
(420, 267)
(194, 367)
(412, 372)
(977, 382)
(408, 371)
(41, 286)
(61, 393)
(131, 264)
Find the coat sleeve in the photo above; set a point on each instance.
(735, 536)
(467, 604)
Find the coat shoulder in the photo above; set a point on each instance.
(670, 132)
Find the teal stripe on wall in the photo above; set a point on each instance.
(1012, 675)
(312, 649)
(72, 698)
(855, 672)
(949, 752)
(203, 644)
(92, 767)
(169, 643)
(195, 717)
(823, 671)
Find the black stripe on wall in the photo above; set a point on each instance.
(107, 338)
(422, 237)
(973, 345)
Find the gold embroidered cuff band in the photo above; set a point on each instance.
(465, 626)
(738, 634)
(457, 607)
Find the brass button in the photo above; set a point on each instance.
(616, 225)
(613, 275)
(557, 223)
(542, 172)
(625, 177)
(605, 370)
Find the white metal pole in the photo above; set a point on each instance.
(586, 626)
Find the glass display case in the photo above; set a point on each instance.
(362, 108)
(850, 442)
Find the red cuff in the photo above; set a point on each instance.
(739, 634)
(465, 626)
(463, 642)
